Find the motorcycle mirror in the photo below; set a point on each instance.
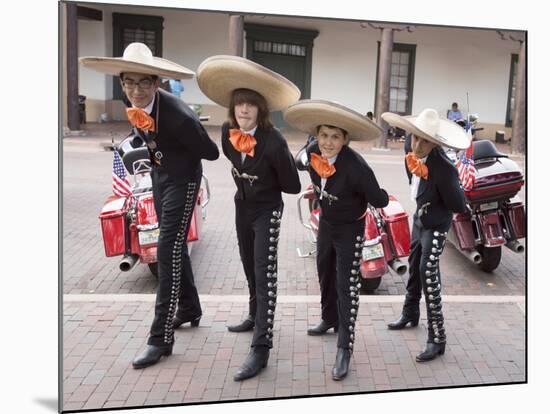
(137, 142)
(301, 160)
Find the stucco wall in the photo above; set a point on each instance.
(450, 62)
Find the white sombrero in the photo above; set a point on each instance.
(137, 58)
(308, 114)
(218, 76)
(429, 126)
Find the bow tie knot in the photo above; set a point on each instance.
(242, 141)
(322, 166)
(140, 119)
(416, 166)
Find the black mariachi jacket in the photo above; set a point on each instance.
(441, 194)
(349, 189)
(181, 139)
(262, 178)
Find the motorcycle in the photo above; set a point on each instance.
(129, 224)
(496, 214)
(387, 235)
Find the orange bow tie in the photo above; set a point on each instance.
(416, 166)
(242, 142)
(321, 166)
(140, 119)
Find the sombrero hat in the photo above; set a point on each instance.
(137, 58)
(218, 76)
(308, 114)
(429, 126)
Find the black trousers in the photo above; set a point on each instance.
(424, 276)
(174, 204)
(258, 231)
(338, 267)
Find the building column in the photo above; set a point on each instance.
(236, 37)
(384, 74)
(73, 116)
(518, 117)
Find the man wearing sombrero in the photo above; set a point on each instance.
(177, 142)
(262, 168)
(436, 189)
(345, 184)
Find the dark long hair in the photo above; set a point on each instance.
(240, 96)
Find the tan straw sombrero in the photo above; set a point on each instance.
(429, 126)
(137, 58)
(218, 76)
(308, 114)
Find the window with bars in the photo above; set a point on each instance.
(130, 35)
(512, 90)
(279, 48)
(401, 78)
(399, 82)
(129, 28)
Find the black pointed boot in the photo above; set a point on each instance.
(432, 351)
(341, 365)
(255, 361)
(322, 328)
(151, 355)
(244, 326)
(195, 320)
(405, 318)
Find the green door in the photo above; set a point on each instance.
(286, 51)
(291, 67)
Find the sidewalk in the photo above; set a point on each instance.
(486, 345)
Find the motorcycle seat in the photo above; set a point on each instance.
(486, 149)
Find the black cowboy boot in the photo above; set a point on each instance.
(195, 320)
(322, 328)
(407, 316)
(151, 356)
(432, 351)
(246, 325)
(340, 369)
(255, 361)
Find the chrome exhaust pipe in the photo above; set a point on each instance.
(128, 262)
(515, 246)
(399, 266)
(473, 255)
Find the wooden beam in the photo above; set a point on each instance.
(384, 76)
(73, 116)
(236, 35)
(518, 120)
(87, 13)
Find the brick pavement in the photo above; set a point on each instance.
(486, 345)
(101, 336)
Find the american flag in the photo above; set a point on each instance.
(121, 186)
(465, 164)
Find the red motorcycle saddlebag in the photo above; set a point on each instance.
(397, 226)
(196, 220)
(462, 226)
(491, 229)
(113, 225)
(516, 213)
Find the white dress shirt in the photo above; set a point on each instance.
(250, 132)
(324, 180)
(415, 182)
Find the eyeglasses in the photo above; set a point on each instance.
(143, 83)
